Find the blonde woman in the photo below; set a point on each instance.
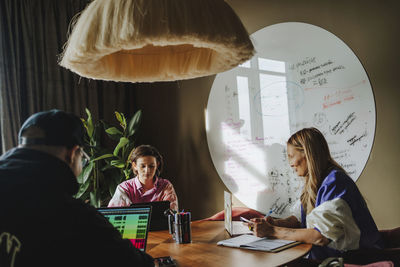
(147, 185)
(334, 215)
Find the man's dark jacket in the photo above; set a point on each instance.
(41, 224)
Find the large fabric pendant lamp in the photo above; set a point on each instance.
(155, 40)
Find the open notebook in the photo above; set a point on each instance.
(131, 222)
(257, 243)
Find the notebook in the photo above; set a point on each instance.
(158, 220)
(131, 222)
(233, 228)
(257, 243)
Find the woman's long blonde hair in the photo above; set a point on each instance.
(312, 143)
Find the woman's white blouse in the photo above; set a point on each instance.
(334, 220)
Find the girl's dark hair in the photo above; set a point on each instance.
(147, 150)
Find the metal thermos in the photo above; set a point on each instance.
(179, 227)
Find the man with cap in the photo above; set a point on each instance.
(41, 224)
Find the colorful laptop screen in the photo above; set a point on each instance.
(131, 222)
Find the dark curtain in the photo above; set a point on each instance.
(32, 34)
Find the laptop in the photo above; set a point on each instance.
(131, 222)
(158, 220)
(233, 228)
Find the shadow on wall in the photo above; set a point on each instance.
(201, 188)
(200, 191)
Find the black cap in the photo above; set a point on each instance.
(60, 129)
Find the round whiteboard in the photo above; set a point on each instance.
(301, 76)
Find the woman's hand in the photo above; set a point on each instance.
(271, 221)
(262, 228)
(290, 222)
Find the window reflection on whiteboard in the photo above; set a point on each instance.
(244, 105)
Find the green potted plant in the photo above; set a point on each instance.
(107, 168)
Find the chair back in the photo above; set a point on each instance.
(391, 237)
(391, 252)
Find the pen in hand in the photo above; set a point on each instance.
(249, 223)
(269, 213)
(270, 220)
(244, 220)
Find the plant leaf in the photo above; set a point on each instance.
(123, 124)
(113, 131)
(134, 122)
(89, 123)
(122, 142)
(128, 150)
(118, 163)
(95, 140)
(87, 171)
(84, 124)
(106, 167)
(103, 157)
(82, 189)
(106, 126)
(121, 118)
(94, 199)
(118, 116)
(127, 173)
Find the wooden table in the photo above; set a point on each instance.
(204, 251)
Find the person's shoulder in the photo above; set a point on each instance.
(127, 183)
(87, 216)
(8, 153)
(78, 206)
(336, 184)
(163, 182)
(337, 178)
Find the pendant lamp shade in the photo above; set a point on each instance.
(155, 40)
